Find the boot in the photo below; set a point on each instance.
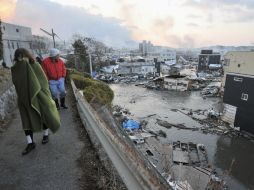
(57, 104)
(29, 148)
(62, 100)
(45, 139)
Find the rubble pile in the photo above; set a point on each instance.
(180, 163)
(187, 157)
(210, 121)
(209, 84)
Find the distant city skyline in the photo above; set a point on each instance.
(118, 23)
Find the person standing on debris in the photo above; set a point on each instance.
(36, 106)
(55, 71)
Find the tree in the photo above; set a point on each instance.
(81, 56)
(98, 50)
(1, 41)
(85, 45)
(39, 45)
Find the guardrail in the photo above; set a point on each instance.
(133, 167)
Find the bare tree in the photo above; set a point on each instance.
(83, 46)
(97, 49)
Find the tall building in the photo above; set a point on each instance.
(145, 47)
(207, 58)
(15, 36)
(238, 90)
(162, 54)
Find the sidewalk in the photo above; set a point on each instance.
(50, 166)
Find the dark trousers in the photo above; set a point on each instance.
(30, 132)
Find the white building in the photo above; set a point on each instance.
(145, 47)
(162, 54)
(15, 36)
(165, 55)
(136, 67)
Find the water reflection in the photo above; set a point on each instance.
(221, 150)
(236, 156)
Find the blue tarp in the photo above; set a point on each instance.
(130, 124)
(94, 73)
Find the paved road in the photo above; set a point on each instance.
(50, 166)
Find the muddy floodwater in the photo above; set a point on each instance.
(232, 157)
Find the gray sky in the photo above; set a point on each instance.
(175, 23)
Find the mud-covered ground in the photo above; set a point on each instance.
(230, 154)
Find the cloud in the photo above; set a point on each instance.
(127, 11)
(173, 23)
(243, 3)
(207, 4)
(162, 27)
(164, 24)
(210, 18)
(67, 20)
(237, 14)
(186, 41)
(198, 4)
(191, 24)
(193, 16)
(94, 8)
(165, 29)
(224, 10)
(6, 9)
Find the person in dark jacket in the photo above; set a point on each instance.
(36, 106)
(39, 60)
(55, 71)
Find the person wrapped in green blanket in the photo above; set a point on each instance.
(36, 106)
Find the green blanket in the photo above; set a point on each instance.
(35, 103)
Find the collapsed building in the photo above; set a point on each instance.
(238, 90)
(209, 61)
(139, 66)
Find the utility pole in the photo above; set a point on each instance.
(52, 34)
(90, 64)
